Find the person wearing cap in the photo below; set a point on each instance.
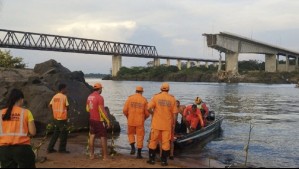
(135, 109)
(202, 106)
(163, 106)
(97, 120)
(59, 105)
(193, 116)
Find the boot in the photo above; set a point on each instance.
(152, 156)
(139, 156)
(164, 157)
(133, 150)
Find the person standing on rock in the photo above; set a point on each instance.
(135, 109)
(16, 127)
(163, 106)
(59, 105)
(98, 118)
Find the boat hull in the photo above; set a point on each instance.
(213, 129)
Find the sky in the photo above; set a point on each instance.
(175, 27)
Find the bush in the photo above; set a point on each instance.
(8, 61)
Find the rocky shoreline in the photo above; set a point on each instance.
(39, 86)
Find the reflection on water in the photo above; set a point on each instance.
(273, 110)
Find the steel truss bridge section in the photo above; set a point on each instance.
(47, 42)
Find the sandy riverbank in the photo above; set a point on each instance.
(78, 158)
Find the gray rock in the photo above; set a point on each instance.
(40, 85)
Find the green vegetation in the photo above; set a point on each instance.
(251, 65)
(164, 73)
(8, 61)
(95, 75)
(251, 71)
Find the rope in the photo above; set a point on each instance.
(112, 147)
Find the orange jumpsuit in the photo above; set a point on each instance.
(164, 107)
(135, 109)
(193, 117)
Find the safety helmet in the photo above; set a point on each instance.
(198, 100)
(165, 86)
(97, 86)
(139, 89)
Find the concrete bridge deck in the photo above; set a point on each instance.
(232, 45)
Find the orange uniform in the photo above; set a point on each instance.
(15, 131)
(193, 117)
(135, 109)
(164, 106)
(59, 106)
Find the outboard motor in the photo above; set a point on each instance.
(211, 116)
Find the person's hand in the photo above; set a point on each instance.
(108, 126)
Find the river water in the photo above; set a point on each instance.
(273, 111)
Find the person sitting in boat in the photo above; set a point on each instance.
(202, 106)
(193, 116)
(180, 127)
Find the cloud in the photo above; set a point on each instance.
(175, 27)
(117, 31)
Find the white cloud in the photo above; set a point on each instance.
(175, 27)
(117, 31)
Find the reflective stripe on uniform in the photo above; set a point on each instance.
(61, 107)
(21, 127)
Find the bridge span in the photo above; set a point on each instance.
(47, 42)
(232, 45)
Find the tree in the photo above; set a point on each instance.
(8, 61)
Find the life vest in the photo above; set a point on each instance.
(14, 131)
(59, 106)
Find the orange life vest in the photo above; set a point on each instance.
(59, 106)
(14, 131)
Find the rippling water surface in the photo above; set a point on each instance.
(273, 111)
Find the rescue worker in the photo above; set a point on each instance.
(16, 127)
(59, 105)
(135, 109)
(163, 106)
(97, 120)
(202, 107)
(193, 116)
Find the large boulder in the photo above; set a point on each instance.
(40, 85)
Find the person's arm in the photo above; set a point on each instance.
(104, 115)
(67, 104)
(151, 106)
(31, 124)
(146, 112)
(50, 104)
(185, 113)
(126, 108)
(87, 108)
